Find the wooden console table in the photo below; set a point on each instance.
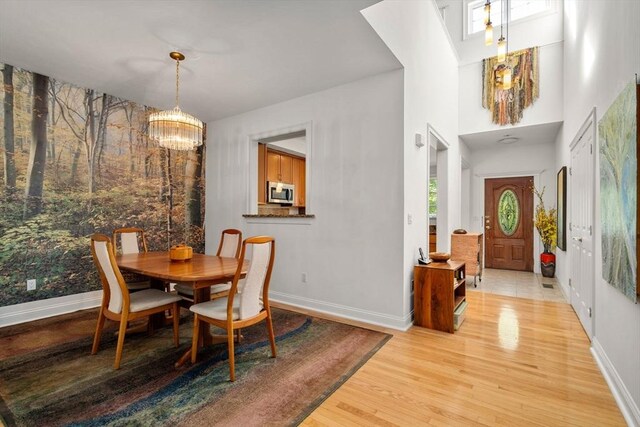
(439, 295)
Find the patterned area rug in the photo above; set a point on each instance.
(62, 384)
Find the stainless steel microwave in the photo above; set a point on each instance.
(280, 193)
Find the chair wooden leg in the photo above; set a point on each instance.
(272, 337)
(98, 334)
(232, 367)
(239, 335)
(176, 324)
(195, 339)
(121, 334)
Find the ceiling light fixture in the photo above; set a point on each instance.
(174, 129)
(508, 140)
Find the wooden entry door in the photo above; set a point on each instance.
(508, 223)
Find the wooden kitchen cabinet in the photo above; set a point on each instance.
(439, 295)
(279, 167)
(299, 180)
(468, 248)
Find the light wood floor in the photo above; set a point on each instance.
(513, 362)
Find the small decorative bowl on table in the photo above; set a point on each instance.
(439, 256)
(181, 253)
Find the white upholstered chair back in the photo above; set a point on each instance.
(230, 243)
(257, 277)
(107, 269)
(130, 239)
(129, 243)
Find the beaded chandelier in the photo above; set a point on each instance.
(174, 129)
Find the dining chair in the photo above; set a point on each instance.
(130, 239)
(118, 304)
(241, 307)
(229, 247)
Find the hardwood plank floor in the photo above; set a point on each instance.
(513, 362)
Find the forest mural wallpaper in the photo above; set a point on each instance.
(74, 162)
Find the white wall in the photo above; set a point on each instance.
(415, 33)
(602, 54)
(546, 109)
(352, 250)
(537, 160)
(536, 31)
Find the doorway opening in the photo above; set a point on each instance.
(438, 192)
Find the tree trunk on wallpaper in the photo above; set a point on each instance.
(128, 114)
(9, 143)
(193, 191)
(38, 151)
(51, 149)
(169, 198)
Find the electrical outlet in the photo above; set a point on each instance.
(304, 277)
(31, 284)
(409, 219)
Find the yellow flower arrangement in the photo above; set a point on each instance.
(545, 222)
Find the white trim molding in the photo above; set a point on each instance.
(343, 311)
(34, 310)
(628, 407)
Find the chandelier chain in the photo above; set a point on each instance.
(177, 82)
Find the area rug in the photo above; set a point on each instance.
(62, 384)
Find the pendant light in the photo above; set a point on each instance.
(506, 75)
(487, 12)
(174, 129)
(502, 43)
(488, 29)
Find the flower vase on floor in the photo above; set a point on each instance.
(545, 222)
(548, 263)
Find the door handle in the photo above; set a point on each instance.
(577, 239)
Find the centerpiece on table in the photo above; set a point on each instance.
(545, 222)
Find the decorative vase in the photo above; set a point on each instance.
(548, 263)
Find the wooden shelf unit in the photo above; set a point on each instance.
(438, 290)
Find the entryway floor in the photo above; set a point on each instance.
(522, 284)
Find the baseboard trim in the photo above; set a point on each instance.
(34, 310)
(628, 407)
(343, 311)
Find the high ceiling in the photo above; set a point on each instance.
(241, 54)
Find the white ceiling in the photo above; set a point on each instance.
(241, 54)
(535, 134)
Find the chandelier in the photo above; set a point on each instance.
(175, 129)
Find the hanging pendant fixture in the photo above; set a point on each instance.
(503, 74)
(488, 30)
(175, 129)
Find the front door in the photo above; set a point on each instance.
(581, 181)
(508, 223)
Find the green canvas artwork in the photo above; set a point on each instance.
(618, 191)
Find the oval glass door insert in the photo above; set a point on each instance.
(508, 212)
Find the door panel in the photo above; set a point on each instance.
(581, 184)
(509, 223)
